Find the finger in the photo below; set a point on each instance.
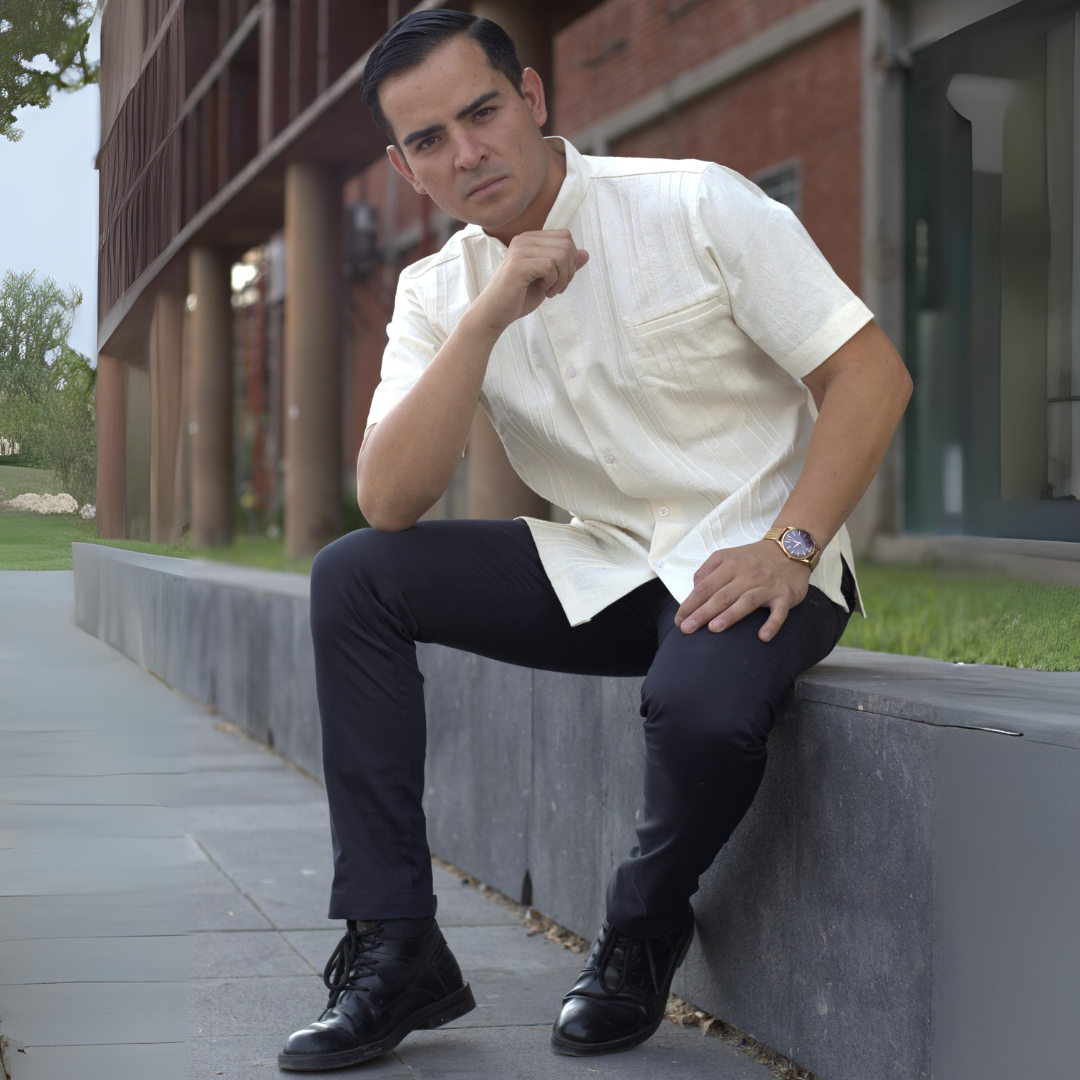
(720, 578)
(748, 602)
(712, 607)
(566, 270)
(714, 561)
(774, 621)
(582, 257)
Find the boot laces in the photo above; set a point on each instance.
(631, 947)
(351, 961)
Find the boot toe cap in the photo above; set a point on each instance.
(587, 1021)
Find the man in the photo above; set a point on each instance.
(665, 353)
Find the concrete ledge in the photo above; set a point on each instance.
(899, 903)
(1053, 561)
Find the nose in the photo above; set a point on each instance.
(469, 153)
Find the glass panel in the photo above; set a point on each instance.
(1063, 292)
(993, 277)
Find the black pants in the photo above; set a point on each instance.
(709, 701)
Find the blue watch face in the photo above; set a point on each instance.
(798, 543)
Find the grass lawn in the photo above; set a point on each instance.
(43, 542)
(40, 541)
(979, 618)
(16, 480)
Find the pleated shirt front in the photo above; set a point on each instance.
(658, 398)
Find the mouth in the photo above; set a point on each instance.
(487, 187)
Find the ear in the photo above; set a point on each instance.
(397, 159)
(532, 89)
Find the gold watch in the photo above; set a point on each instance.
(796, 544)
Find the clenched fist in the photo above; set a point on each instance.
(538, 265)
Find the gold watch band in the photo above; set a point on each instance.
(777, 533)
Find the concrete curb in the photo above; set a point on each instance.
(898, 903)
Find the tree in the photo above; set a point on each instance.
(58, 30)
(46, 387)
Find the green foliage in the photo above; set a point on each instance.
(56, 29)
(46, 387)
(969, 617)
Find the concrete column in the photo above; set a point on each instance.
(110, 412)
(494, 489)
(211, 404)
(313, 405)
(166, 367)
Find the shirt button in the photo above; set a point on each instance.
(570, 372)
(609, 458)
(663, 511)
(659, 564)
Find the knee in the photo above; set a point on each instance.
(696, 718)
(343, 577)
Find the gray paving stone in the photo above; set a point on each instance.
(483, 948)
(462, 905)
(242, 954)
(256, 1006)
(254, 1057)
(116, 915)
(286, 873)
(255, 816)
(245, 786)
(132, 1061)
(524, 1053)
(212, 902)
(94, 1013)
(91, 959)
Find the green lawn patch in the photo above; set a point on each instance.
(976, 618)
(40, 541)
(18, 480)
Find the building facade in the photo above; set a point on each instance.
(252, 233)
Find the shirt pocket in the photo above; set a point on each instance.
(678, 347)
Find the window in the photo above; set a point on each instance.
(993, 278)
(784, 184)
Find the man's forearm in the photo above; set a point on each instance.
(864, 389)
(409, 457)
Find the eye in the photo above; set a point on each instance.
(482, 114)
(424, 144)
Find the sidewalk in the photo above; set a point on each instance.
(255, 866)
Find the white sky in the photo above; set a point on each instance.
(49, 200)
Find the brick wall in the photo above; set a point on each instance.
(625, 48)
(804, 105)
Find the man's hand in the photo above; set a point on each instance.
(538, 265)
(732, 583)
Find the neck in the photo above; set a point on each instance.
(536, 213)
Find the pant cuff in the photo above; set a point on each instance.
(369, 906)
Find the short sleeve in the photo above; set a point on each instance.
(784, 294)
(412, 343)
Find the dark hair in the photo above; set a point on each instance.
(410, 41)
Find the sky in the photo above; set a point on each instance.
(49, 200)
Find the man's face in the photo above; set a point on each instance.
(466, 137)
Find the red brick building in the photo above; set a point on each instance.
(233, 136)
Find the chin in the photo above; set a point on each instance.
(494, 215)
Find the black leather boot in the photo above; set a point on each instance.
(381, 987)
(620, 996)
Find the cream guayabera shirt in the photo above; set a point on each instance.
(657, 399)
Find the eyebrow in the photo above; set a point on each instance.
(434, 129)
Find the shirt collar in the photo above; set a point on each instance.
(572, 191)
(574, 185)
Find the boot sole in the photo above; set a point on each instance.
(442, 1012)
(627, 1042)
